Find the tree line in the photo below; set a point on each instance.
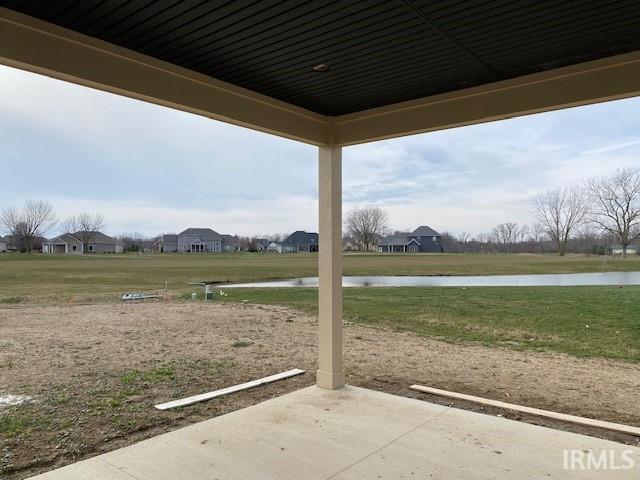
(29, 224)
(580, 218)
(608, 205)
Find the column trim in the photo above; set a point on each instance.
(330, 369)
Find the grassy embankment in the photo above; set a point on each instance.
(583, 321)
(25, 278)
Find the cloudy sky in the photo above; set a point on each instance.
(150, 169)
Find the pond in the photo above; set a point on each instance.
(540, 280)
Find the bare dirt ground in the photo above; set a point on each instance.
(95, 371)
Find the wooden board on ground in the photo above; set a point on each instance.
(618, 427)
(225, 391)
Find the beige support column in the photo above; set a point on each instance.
(330, 373)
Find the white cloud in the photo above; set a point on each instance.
(151, 169)
(246, 217)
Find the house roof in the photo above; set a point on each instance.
(300, 236)
(66, 238)
(16, 239)
(400, 238)
(96, 237)
(433, 47)
(171, 238)
(99, 237)
(230, 238)
(425, 231)
(201, 232)
(403, 238)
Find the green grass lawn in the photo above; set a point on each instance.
(581, 321)
(58, 277)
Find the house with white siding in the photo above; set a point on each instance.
(274, 247)
(618, 250)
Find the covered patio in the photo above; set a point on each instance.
(334, 74)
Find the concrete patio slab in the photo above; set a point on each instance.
(355, 433)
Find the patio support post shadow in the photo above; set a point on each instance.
(330, 373)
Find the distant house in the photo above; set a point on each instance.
(15, 243)
(299, 242)
(617, 250)
(422, 239)
(230, 243)
(167, 243)
(65, 243)
(274, 247)
(70, 243)
(3, 245)
(262, 244)
(349, 244)
(197, 240)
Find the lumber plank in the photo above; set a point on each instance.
(617, 427)
(226, 391)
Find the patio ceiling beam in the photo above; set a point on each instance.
(602, 80)
(31, 44)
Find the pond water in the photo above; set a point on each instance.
(542, 280)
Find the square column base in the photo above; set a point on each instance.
(330, 380)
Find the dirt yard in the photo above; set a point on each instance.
(94, 373)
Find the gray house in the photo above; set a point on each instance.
(299, 242)
(197, 240)
(167, 243)
(16, 244)
(3, 245)
(422, 239)
(65, 243)
(230, 243)
(70, 243)
(262, 244)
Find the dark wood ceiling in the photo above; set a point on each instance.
(378, 52)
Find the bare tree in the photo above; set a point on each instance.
(134, 241)
(34, 219)
(523, 233)
(484, 238)
(536, 233)
(506, 234)
(586, 238)
(464, 239)
(615, 205)
(560, 211)
(84, 225)
(366, 225)
(449, 242)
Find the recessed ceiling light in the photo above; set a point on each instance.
(321, 67)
